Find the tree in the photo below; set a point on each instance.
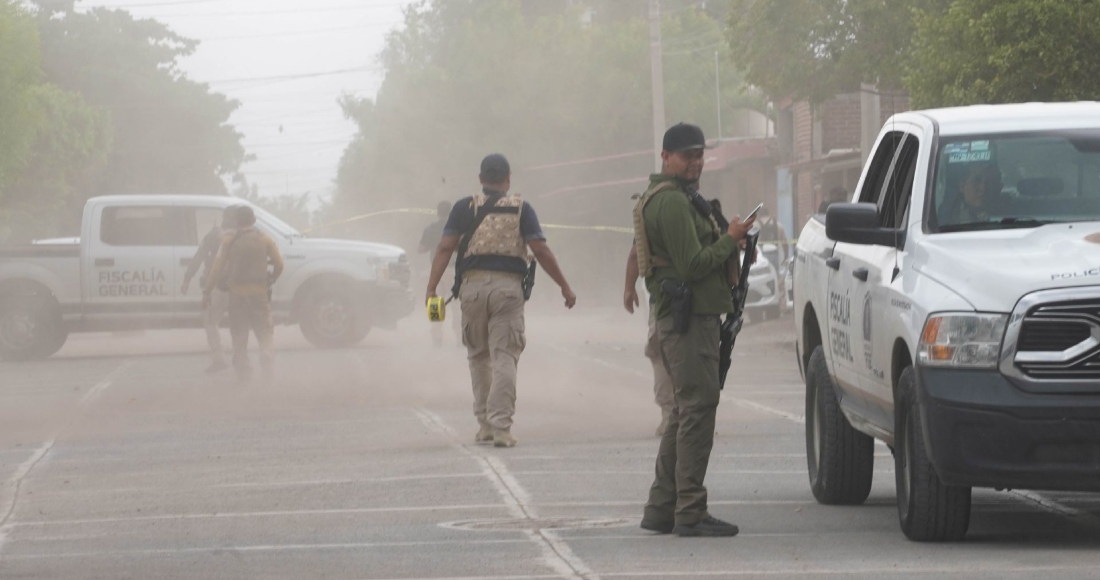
(546, 84)
(49, 137)
(171, 134)
(19, 74)
(1001, 51)
(72, 140)
(815, 49)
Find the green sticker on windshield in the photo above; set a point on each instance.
(971, 157)
(967, 152)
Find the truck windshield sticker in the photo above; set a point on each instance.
(969, 157)
(122, 283)
(967, 152)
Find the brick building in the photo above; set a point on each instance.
(824, 146)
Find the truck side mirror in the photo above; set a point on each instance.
(858, 223)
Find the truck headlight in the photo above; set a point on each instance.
(381, 267)
(962, 340)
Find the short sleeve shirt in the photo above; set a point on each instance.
(462, 219)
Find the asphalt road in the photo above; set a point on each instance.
(120, 459)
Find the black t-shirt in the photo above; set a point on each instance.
(431, 236)
(462, 219)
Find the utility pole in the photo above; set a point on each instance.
(658, 79)
(718, 94)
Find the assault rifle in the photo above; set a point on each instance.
(734, 321)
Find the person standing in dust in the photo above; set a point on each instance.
(243, 260)
(219, 299)
(429, 241)
(495, 231)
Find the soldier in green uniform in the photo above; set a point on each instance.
(678, 243)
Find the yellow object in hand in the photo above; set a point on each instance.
(437, 309)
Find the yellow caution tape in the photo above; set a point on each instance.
(432, 212)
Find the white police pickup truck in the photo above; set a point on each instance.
(953, 312)
(126, 271)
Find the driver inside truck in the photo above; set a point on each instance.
(974, 189)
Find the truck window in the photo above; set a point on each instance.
(1018, 180)
(880, 168)
(203, 220)
(894, 204)
(142, 226)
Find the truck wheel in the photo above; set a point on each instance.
(30, 328)
(330, 318)
(840, 459)
(928, 510)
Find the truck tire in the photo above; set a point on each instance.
(840, 459)
(30, 327)
(329, 317)
(928, 510)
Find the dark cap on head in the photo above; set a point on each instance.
(245, 216)
(495, 168)
(682, 137)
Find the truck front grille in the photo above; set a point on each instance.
(1061, 341)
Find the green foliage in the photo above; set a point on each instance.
(301, 211)
(171, 134)
(1001, 51)
(818, 48)
(541, 82)
(72, 140)
(19, 74)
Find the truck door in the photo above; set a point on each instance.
(870, 274)
(851, 267)
(884, 300)
(131, 279)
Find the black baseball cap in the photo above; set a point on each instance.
(683, 136)
(495, 168)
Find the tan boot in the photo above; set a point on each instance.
(503, 439)
(484, 435)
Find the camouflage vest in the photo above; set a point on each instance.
(499, 234)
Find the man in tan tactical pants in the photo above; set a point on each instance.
(662, 383)
(493, 332)
(493, 232)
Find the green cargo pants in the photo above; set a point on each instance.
(691, 358)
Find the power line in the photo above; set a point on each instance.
(364, 68)
(278, 12)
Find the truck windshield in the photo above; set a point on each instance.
(1016, 181)
(279, 226)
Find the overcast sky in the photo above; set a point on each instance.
(244, 42)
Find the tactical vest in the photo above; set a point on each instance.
(641, 240)
(499, 234)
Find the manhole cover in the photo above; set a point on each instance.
(537, 524)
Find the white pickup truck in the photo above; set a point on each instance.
(126, 270)
(953, 312)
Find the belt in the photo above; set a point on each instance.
(475, 274)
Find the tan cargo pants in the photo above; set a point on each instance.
(662, 383)
(212, 319)
(691, 358)
(493, 332)
(251, 313)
